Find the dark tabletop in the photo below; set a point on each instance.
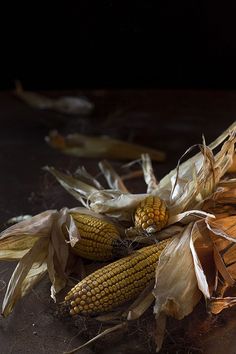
(168, 120)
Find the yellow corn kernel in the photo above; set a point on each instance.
(129, 280)
(151, 214)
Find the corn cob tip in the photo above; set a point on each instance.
(151, 215)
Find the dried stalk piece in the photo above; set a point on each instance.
(100, 147)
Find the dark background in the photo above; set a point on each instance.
(117, 44)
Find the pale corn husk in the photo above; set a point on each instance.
(18, 239)
(176, 290)
(113, 179)
(40, 247)
(102, 147)
(148, 174)
(65, 104)
(28, 272)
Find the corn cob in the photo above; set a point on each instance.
(114, 284)
(151, 214)
(100, 239)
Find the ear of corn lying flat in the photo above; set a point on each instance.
(99, 239)
(151, 214)
(116, 283)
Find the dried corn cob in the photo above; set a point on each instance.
(100, 240)
(151, 214)
(115, 283)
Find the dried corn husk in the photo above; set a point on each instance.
(214, 243)
(232, 168)
(177, 293)
(40, 247)
(66, 104)
(16, 241)
(100, 147)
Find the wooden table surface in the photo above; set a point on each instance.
(168, 120)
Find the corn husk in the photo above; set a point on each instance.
(232, 168)
(39, 246)
(66, 104)
(183, 275)
(102, 147)
(176, 298)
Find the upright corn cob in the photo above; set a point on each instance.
(151, 214)
(99, 239)
(115, 283)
